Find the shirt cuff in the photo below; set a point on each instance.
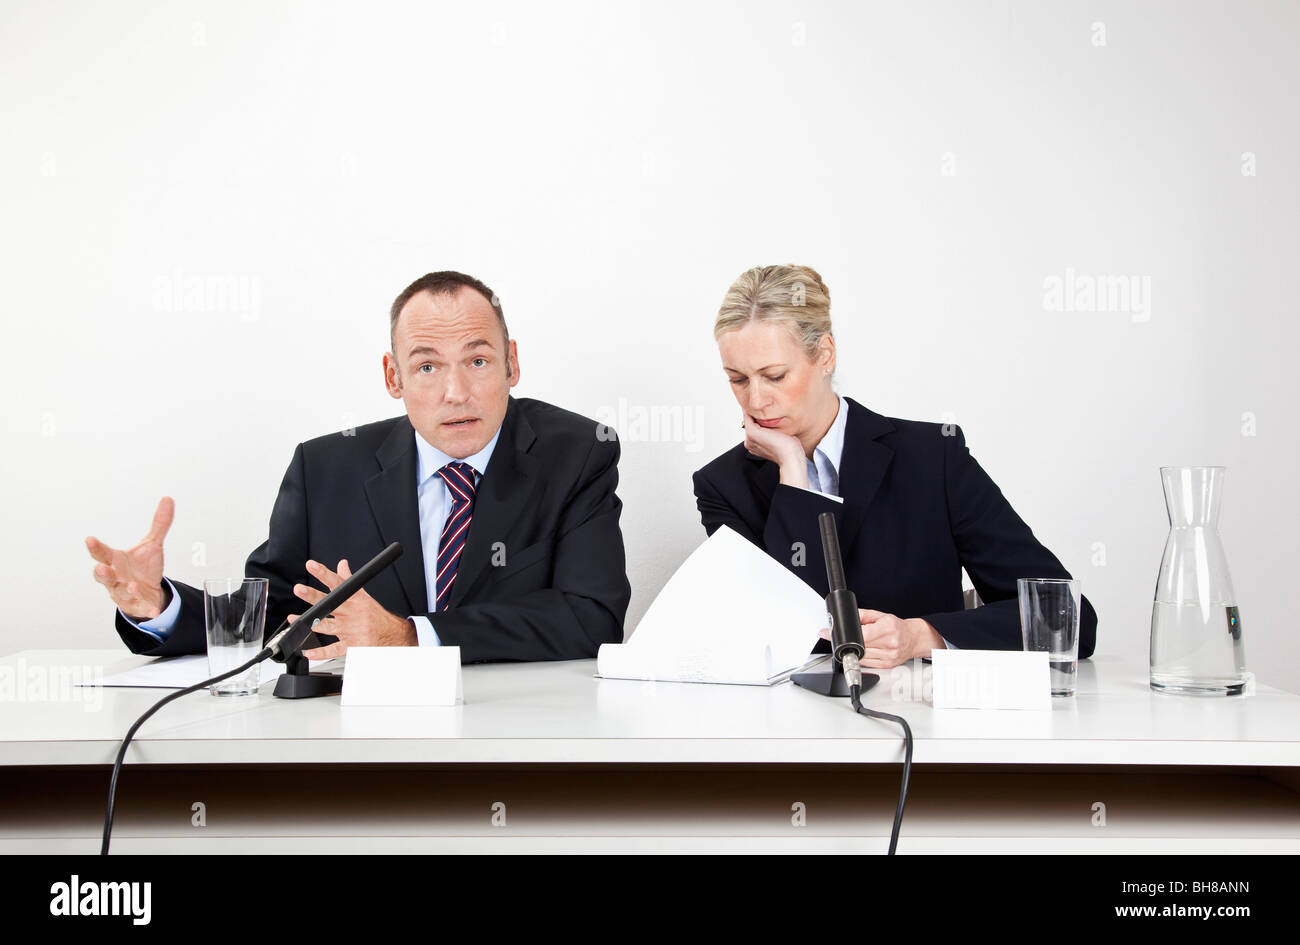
(837, 498)
(160, 627)
(425, 633)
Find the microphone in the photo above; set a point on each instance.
(846, 626)
(847, 649)
(841, 605)
(286, 643)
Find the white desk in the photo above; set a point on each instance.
(582, 763)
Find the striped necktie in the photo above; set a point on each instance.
(460, 479)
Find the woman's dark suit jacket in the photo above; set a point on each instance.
(917, 509)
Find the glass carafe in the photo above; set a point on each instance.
(1196, 645)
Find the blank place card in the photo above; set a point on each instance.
(990, 679)
(402, 676)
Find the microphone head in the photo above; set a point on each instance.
(831, 552)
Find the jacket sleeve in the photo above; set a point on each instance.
(281, 559)
(589, 593)
(790, 533)
(182, 640)
(996, 548)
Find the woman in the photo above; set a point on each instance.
(912, 506)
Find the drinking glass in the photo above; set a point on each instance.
(234, 610)
(1049, 621)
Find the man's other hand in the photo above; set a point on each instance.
(358, 621)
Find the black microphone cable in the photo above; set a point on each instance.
(855, 700)
(847, 649)
(287, 640)
(266, 653)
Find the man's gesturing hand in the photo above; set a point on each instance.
(358, 621)
(134, 577)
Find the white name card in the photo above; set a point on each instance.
(402, 675)
(990, 679)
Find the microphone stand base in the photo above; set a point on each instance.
(308, 686)
(831, 684)
(298, 682)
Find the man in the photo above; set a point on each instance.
(505, 508)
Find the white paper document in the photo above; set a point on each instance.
(180, 672)
(731, 614)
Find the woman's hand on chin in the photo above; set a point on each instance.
(781, 448)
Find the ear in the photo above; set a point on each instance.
(512, 363)
(392, 377)
(826, 353)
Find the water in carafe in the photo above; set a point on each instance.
(1196, 645)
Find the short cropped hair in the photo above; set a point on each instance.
(446, 282)
(793, 295)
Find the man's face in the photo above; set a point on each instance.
(451, 367)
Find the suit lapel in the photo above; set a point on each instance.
(503, 494)
(862, 469)
(394, 502)
(862, 466)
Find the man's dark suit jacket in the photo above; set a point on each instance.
(917, 509)
(546, 501)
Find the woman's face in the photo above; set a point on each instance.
(774, 380)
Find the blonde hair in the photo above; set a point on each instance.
(793, 295)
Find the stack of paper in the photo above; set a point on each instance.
(731, 614)
(181, 672)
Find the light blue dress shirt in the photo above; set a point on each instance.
(433, 503)
(824, 467)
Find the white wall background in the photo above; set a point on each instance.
(609, 169)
